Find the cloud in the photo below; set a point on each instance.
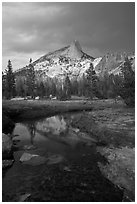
(19, 60)
(26, 24)
(30, 29)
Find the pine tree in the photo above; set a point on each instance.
(41, 90)
(84, 86)
(30, 60)
(115, 85)
(53, 88)
(91, 81)
(74, 87)
(10, 81)
(128, 90)
(67, 88)
(3, 85)
(30, 81)
(20, 86)
(94, 82)
(105, 84)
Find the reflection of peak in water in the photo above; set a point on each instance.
(58, 129)
(55, 125)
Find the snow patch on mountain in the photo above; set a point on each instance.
(57, 68)
(96, 61)
(72, 61)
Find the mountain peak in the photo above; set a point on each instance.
(75, 50)
(76, 44)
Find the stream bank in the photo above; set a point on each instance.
(80, 176)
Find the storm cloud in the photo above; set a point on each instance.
(34, 29)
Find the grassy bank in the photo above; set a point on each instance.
(29, 109)
(113, 126)
(18, 110)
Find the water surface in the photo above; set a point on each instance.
(56, 136)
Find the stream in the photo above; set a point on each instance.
(70, 170)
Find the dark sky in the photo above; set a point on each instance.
(33, 29)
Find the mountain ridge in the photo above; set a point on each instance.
(71, 60)
(67, 51)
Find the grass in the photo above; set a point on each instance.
(110, 126)
(113, 126)
(35, 109)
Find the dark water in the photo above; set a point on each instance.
(55, 136)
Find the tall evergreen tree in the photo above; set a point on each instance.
(115, 85)
(30, 60)
(91, 81)
(41, 90)
(94, 82)
(128, 89)
(53, 88)
(106, 84)
(3, 85)
(74, 87)
(67, 87)
(30, 81)
(84, 86)
(20, 86)
(9, 81)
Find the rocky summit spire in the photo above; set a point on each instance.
(75, 51)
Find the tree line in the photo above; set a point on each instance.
(89, 85)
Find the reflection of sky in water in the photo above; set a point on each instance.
(55, 125)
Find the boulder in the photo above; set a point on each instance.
(32, 159)
(7, 163)
(7, 145)
(7, 124)
(35, 161)
(27, 156)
